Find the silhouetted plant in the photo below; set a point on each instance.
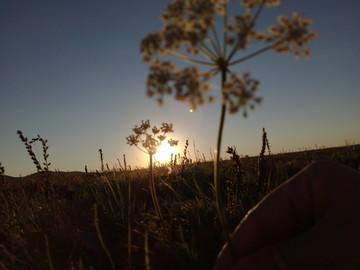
(2, 174)
(185, 160)
(43, 168)
(234, 184)
(237, 164)
(101, 160)
(190, 33)
(148, 139)
(28, 145)
(261, 161)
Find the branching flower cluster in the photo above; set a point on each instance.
(188, 84)
(292, 35)
(239, 91)
(190, 33)
(148, 139)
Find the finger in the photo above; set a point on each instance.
(278, 216)
(288, 211)
(321, 247)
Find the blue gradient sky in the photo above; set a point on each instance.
(71, 72)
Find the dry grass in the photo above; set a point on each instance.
(107, 220)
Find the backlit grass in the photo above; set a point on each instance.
(107, 220)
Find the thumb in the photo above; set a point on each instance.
(318, 248)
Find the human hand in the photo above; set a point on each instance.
(312, 221)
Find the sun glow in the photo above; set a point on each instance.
(164, 152)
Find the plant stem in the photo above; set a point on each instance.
(50, 262)
(254, 54)
(206, 52)
(129, 222)
(217, 180)
(189, 60)
(216, 45)
(153, 190)
(97, 227)
(147, 251)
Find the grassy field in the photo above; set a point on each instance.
(106, 220)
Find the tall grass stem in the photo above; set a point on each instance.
(217, 179)
(102, 243)
(49, 259)
(147, 251)
(153, 190)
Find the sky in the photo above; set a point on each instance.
(71, 72)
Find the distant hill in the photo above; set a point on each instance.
(315, 154)
(38, 175)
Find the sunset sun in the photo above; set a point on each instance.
(164, 152)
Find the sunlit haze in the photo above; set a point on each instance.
(165, 152)
(71, 72)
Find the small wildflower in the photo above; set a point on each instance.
(292, 35)
(243, 27)
(146, 141)
(240, 92)
(172, 142)
(151, 45)
(161, 137)
(167, 128)
(155, 130)
(243, 32)
(159, 79)
(132, 140)
(192, 85)
(189, 84)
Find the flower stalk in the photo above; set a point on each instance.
(217, 179)
(189, 34)
(148, 139)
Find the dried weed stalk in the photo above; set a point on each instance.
(261, 161)
(234, 185)
(45, 186)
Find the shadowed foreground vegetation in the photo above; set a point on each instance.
(107, 221)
